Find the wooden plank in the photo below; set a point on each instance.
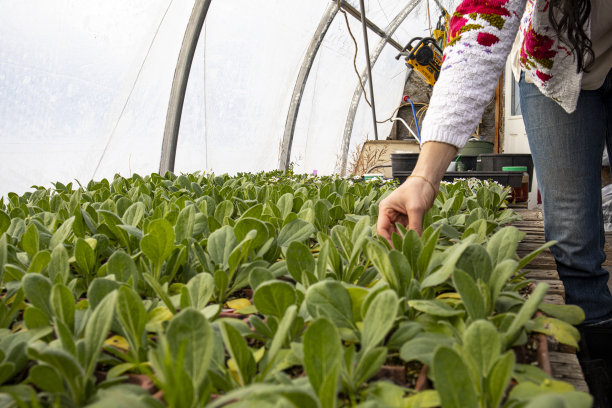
(555, 287)
(565, 367)
(554, 299)
(541, 274)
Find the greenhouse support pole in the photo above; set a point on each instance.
(350, 120)
(179, 84)
(300, 85)
(366, 44)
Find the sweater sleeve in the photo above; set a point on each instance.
(481, 33)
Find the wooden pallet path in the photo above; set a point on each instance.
(563, 360)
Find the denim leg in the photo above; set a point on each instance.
(567, 150)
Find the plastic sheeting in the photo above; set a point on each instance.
(85, 85)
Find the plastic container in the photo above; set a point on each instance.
(519, 194)
(468, 161)
(403, 162)
(476, 147)
(372, 176)
(505, 178)
(495, 162)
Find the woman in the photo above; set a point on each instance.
(564, 56)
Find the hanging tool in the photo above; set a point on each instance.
(425, 57)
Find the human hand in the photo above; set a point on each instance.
(406, 205)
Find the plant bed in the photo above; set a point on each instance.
(150, 261)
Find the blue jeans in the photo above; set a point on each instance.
(567, 151)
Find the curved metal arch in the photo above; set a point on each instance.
(300, 84)
(179, 84)
(350, 119)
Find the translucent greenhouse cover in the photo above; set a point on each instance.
(85, 85)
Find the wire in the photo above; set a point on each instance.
(365, 96)
(127, 100)
(429, 19)
(348, 26)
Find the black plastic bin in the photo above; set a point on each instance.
(402, 162)
(505, 178)
(495, 162)
(469, 161)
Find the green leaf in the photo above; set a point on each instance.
(502, 245)
(65, 364)
(200, 289)
(571, 314)
(422, 347)
(299, 259)
(7, 369)
(561, 331)
(247, 224)
(525, 313)
(323, 359)
(221, 243)
(452, 379)
(61, 234)
(30, 241)
(123, 267)
(46, 378)
(531, 256)
(191, 330)
(330, 299)
(85, 256)
(369, 363)
(59, 265)
(498, 380)
(285, 204)
(35, 318)
(185, 223)
(280, 337)
(379, 257)
(258, 276)
(296, 230)
(222, 210)
(158, 242)
(274, 297)
(379, 319)
(37, 289)
(3, 254)
(96, 330)
(482, 343)
(40, 262)
(434, 307)
(470, 295)
(412, 247)
(476, 261)
(238, 350)
(63, 304)
(134, 214)
(502, 272)
(98, 289)
(132, 315)
(159, 291)
(451, 256)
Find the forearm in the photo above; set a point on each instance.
(434, 159)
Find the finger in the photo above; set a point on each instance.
(415, 220)
(384, 226)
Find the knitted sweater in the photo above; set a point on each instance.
(481, 33)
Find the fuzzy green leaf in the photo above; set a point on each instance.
(274, 297)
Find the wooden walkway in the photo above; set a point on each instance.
(563, 360)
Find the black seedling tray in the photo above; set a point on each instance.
(505, 178)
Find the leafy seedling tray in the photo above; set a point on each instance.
(505, 178)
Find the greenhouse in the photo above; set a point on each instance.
(198, 208)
